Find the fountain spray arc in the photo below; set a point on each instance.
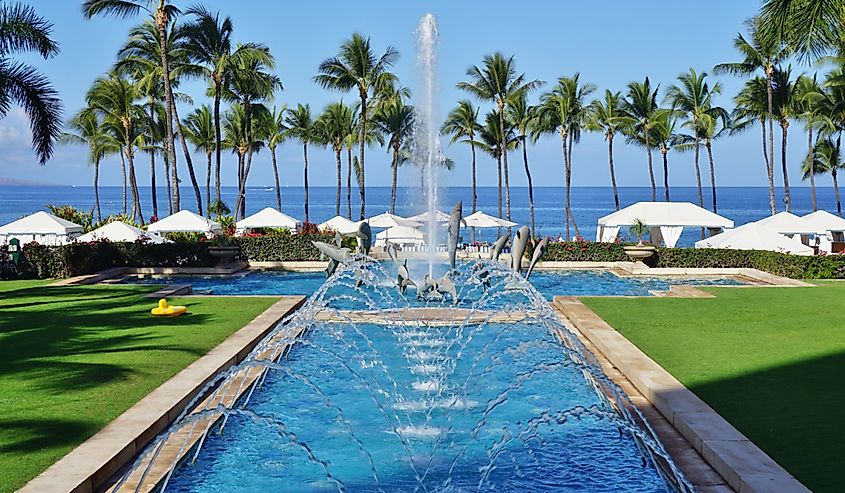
(427, 134)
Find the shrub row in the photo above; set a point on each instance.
(780, 264)
(584, 251)
(280, 247)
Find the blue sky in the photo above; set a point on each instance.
(609, 43)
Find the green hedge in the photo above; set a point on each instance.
(584, 251)
(86, 258)
(781, 264)
(280, 246)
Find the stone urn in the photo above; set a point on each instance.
(639, 252)
(224, 254)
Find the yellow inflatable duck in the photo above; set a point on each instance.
(165, 309)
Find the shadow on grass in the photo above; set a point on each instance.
(793, 412)
(39, 434)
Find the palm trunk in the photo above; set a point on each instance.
(499, 189)
(784, 125)
(504, 152)
(811, 157)
(305, 178)
(836, 192)
(97, 188)
(337, 151)
(394, 169)
(769, 171)
(174, 183)
(276, 177)
(771, 164)
(474, 194)
(709, 145)
(217, 139)
(133, 184)
(650, 168)
(167, 184)
(189, 161)
(565, 192)
(208, 183)
(348, 183)
(698, 174)
(530, 187)
(153, 163)
(665, 152)
(240, 203)
(123, 174)
(161, 22)
(569, 185)
(612, 172)
(362, 140)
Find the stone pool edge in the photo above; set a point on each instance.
(744, 467)
(91, 464)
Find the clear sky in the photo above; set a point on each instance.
(610, 43)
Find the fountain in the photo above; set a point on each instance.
(468, 383)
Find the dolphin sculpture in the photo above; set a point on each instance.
(428, 284)
(518, 248)
(454, 229)
(365, 238)
(335, 255)
(539, 251)
(392, 251)
(497, 247)
(403, 279)
(445, 285)
(338, 239)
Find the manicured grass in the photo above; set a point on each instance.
(74, 358)
(770, 360)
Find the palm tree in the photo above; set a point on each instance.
(302, 127)
(523, 118)
(236, 137)
(563, 110)
(715, 125)
(462, 124)
(336, 126)
(496, 80)
(21, 31)
(209, 47)
(395, 120)
(809, 28)
(693, 99)
(608, 117)
(810, 98)
(272, 129)
(162, 13)
(750, 108)
(827, 158)
(87, 128)
(785, 108)
(664, 137)
(198, 128)
(759, 52)
(640, 106)
(356, 67)
(116, 100)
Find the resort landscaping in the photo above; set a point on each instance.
(72, 358)
(769, 360)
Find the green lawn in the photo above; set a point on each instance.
(74, 358)
(769, 360)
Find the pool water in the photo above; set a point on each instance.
(549, 283)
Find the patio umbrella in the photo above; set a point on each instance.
(120, 231)
(388, 220)
(423, 217)
(480, 219)
(402, 235)
(340, 224)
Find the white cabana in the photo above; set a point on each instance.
(340, 224)
(480, 219)
(401, 235)
(41, 227)
(753, 236)
(388, 220)
(267, 218)
(424, 217)
(666, 220)
(184, 221)
(120, 231)
(824, 222)
(787, 223)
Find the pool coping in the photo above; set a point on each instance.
(743, 466)
(90, 465)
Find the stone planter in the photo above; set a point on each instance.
(638, 253)
(224, 254)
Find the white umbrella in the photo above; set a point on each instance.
(753, 236)
(439, 216)
(402, 235)
(120, 231)
(340, 224)
(41, 227)
(184, 221)
(480, 219)
(388, 220)
(268, 218)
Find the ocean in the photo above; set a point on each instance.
(741, 204)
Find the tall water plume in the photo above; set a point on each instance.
(427, 134)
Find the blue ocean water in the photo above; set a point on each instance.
(741, 204)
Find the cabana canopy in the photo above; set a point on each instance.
(388, 220)
(120, 231)
(665, 219)
(823, 221)
(424, 217)
(787, 223)
(340, 224)
(184, 221)
(41, 227)
(402, 235)
(480, 219)
(753, 236)
(267, 218)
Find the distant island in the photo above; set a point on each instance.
(14, 182)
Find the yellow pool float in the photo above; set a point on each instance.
(165, 309)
